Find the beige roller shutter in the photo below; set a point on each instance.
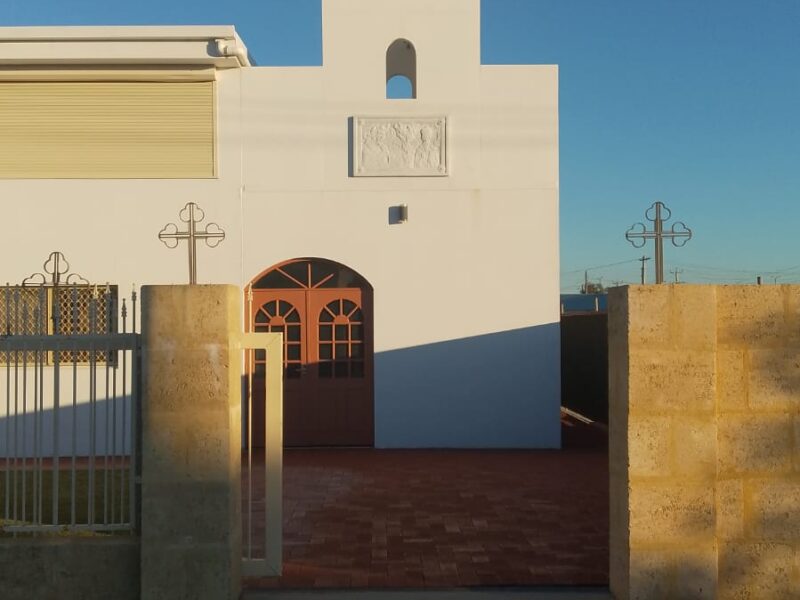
(106, 129)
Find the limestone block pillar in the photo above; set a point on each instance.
(662, 442)
(190, 443)
(704, 441)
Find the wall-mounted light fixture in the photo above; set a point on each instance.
(402, 213)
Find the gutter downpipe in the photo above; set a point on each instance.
(230, 48)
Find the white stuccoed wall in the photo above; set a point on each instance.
(466, 292)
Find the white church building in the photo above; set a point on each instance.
(406, 247)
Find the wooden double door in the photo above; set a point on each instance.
(328, 355)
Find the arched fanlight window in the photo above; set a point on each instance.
(401, 70)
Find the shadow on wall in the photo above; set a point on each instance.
(499, 390)
(29, 431)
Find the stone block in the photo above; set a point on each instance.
(751, 315)
(695, 447)
(775, 510)
(731, 380)
(208, 367)
(760, 571)
(204, 503)
(774, 379)
(673, 513)
(797, 443)
(652, 575)
(202, 313)
(619, 551)
(649, 316)
(69, 568)
(791, 295)
(694, 316)
(675, 381)
(188, 571)
(696, 572)
(730, 509)
(755, 444)
(649, 446)
(191, 448)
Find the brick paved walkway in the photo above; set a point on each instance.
(443, 518)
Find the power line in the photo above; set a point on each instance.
(622, 262)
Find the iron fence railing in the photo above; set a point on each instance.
(69, 374)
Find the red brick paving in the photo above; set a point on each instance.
(356, 518)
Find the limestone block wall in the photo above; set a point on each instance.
(704, 409)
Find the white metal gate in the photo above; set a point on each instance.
(262, 476)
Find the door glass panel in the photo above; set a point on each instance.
(356, 316)
(293, 316)
(322, 270)
(341, 369)
(326, 369)
(293, 333)
(293, 352)
(356, 351)
(274, 280)
(325, 317)
(261, 317)
(325, 351)
(325, 333)
(341, 332)
(344, 278)
(348, 307)
(298, 270)
(293, 371)
(341, 351)
(357, 332)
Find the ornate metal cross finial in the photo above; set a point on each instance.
(638, 235)
(191, 214)
(55, 266)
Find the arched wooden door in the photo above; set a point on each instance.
(324, 310)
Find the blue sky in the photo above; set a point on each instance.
(692, 102)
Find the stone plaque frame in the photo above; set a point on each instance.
(399, 147)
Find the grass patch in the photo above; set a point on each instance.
(28, 494)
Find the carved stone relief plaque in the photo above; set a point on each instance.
(400, 146)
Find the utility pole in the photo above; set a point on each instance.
(676, 272)
(642, 260)
(586, 282)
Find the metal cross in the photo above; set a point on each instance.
(56, 266)
(638, 235)
(191, 214)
